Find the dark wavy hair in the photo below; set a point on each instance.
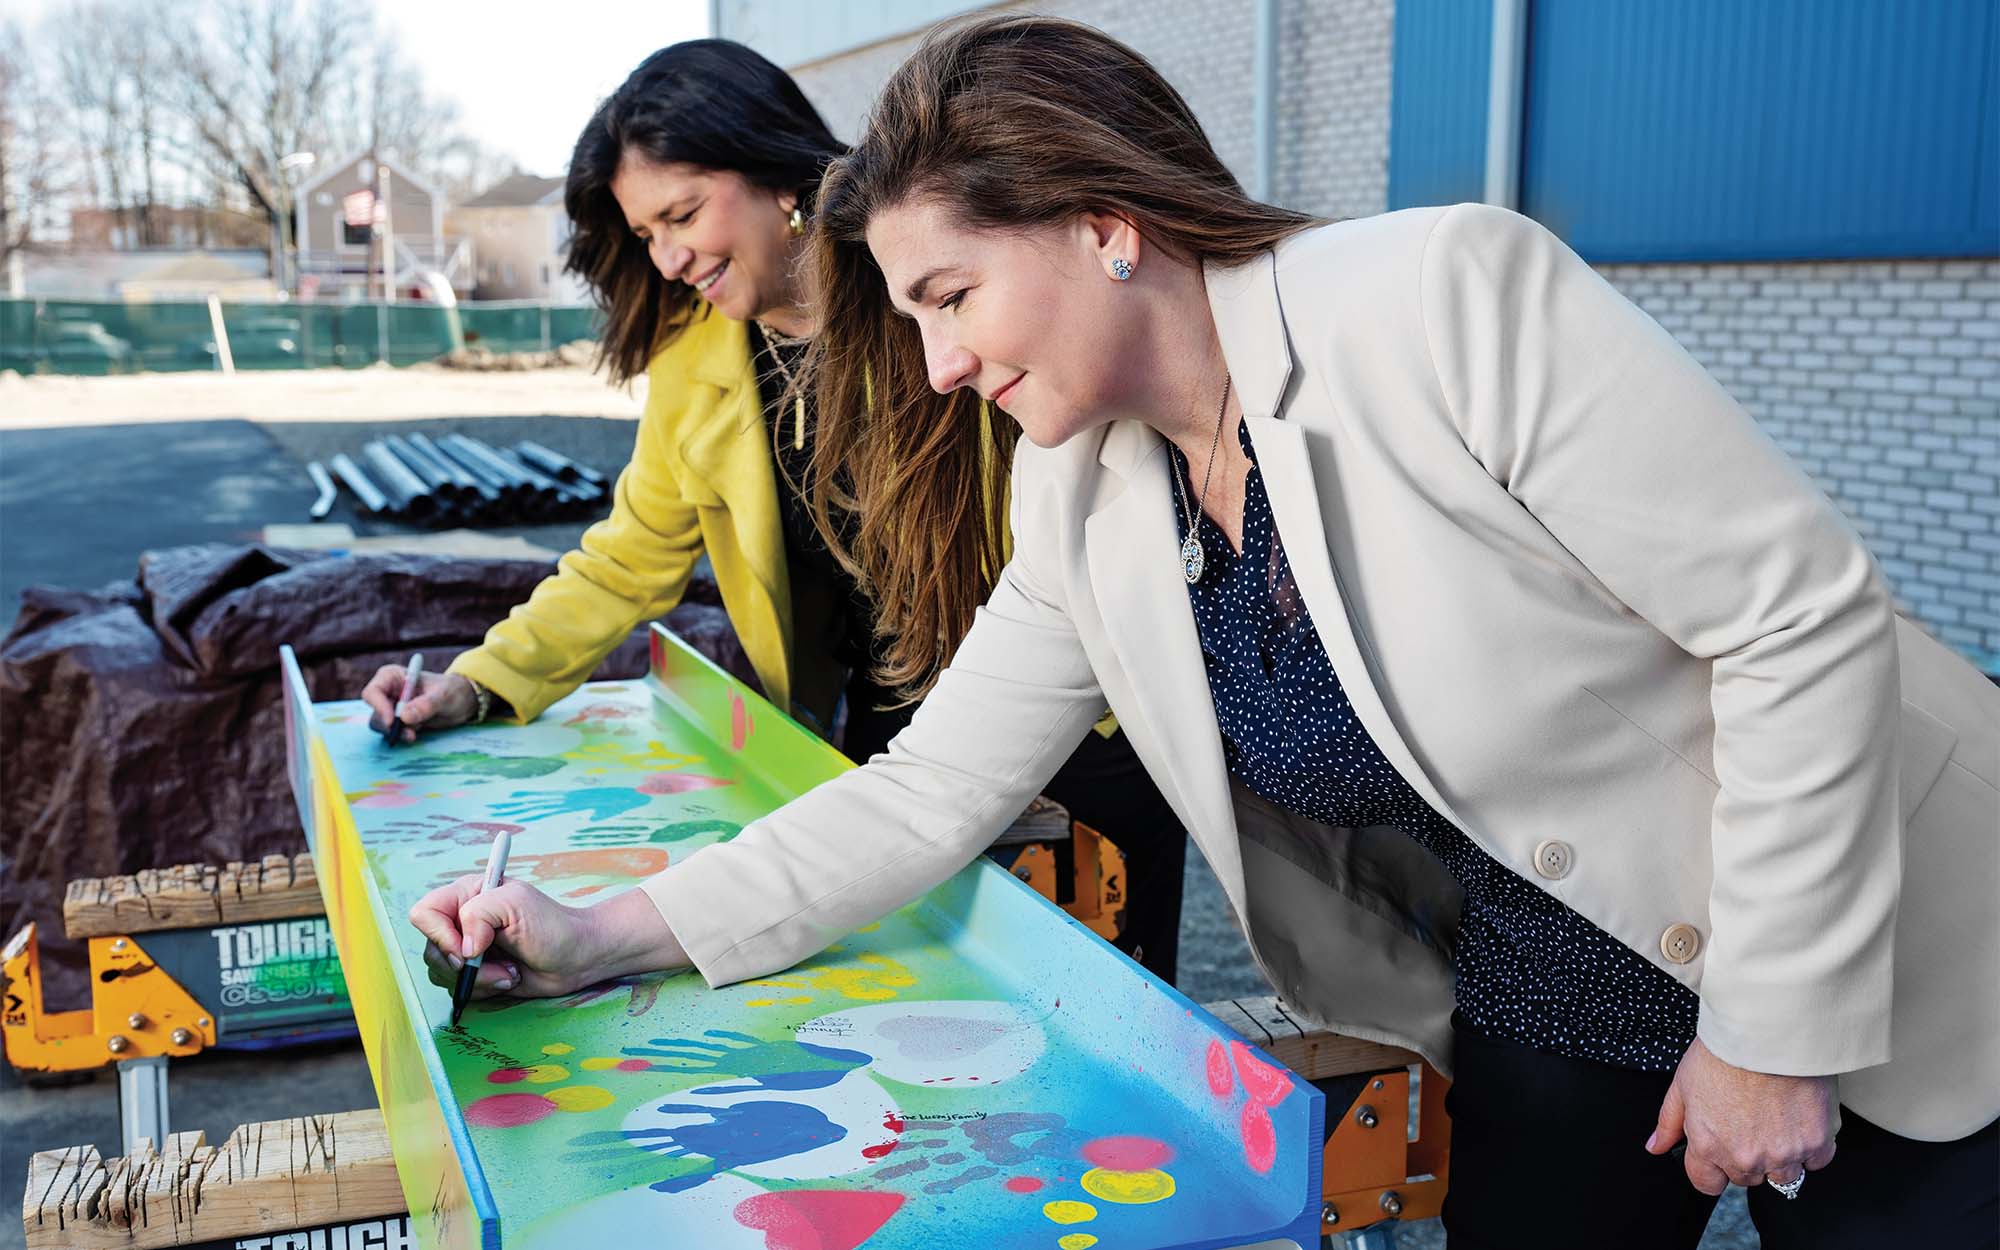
(706, 102)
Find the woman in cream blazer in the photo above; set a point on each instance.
(1588, 612)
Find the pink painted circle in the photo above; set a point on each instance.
(508, 1110)
(1127, 1153)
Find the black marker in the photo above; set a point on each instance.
(413, 676)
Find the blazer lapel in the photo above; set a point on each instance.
(1249, 319)
(1134, 564)
(727, 453)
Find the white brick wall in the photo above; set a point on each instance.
(1882, 379)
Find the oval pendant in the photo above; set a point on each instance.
(1192, 559)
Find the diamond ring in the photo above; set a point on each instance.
(1788, 1188)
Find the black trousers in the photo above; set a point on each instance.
(1102, 785)
(1548, 1153)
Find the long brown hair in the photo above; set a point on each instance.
(1011, 123)
(706, 102)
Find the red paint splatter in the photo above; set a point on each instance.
(1128, 1153)
(892, 1122)
(634, 1065)
(507, 1076)
(1267, 1084)
(508, 1110)
(817, 1219)
(1023, 1184)
(1221, 1081)
(740, 724)
(1260, 1141)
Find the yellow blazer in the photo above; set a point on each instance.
(701, 478)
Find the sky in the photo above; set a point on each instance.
(525, 74)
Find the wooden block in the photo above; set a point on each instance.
(188, 896)
(1312, 1053)
(272, 1177)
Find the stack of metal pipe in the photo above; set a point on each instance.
(456, 480)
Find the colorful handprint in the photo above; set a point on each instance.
(444, 831)
(865, 978)
(726, 1136)
(611, 753)
(657, 835)
(781, 1065)
(476, 765)
(597, 802)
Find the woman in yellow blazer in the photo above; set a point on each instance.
(689, 191)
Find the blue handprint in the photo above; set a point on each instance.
(600, 802)
(784, 1065)
(733, 1137)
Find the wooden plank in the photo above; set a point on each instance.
(277, 1176)
(1312, 1053)
(188, 896)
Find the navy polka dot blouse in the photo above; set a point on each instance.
(1529, 969)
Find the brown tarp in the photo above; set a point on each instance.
(141, 725)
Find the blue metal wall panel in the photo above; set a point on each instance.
(1717, 129)
(1437, 112)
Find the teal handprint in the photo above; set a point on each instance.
(599, 802)
(477, 764)
(785, 1065)
(658, 835)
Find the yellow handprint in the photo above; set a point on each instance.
(613, 754)
(880, 978)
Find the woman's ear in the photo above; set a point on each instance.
(787, 201)
(1115, 243)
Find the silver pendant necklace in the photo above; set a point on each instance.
(1193, 558)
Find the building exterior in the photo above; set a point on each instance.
(1807, 196)
(518, 231)
(344, 259)
(77, 273)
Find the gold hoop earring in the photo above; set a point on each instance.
(797, 222)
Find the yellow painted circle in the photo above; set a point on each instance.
(1130, 1188)
(557, 1048)
(580, 1097)
(1065, 1211)
(545, 1074)
(1076, 1241)
(599, 1063)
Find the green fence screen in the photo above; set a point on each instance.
(99, 337)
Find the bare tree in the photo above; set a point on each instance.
(252, 81)
(217, 93)
(37, 162)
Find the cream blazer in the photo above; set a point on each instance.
(1587, 609)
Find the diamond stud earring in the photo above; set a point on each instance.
(1121, 268)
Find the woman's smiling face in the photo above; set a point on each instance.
(712, 229)
(1031, 321)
